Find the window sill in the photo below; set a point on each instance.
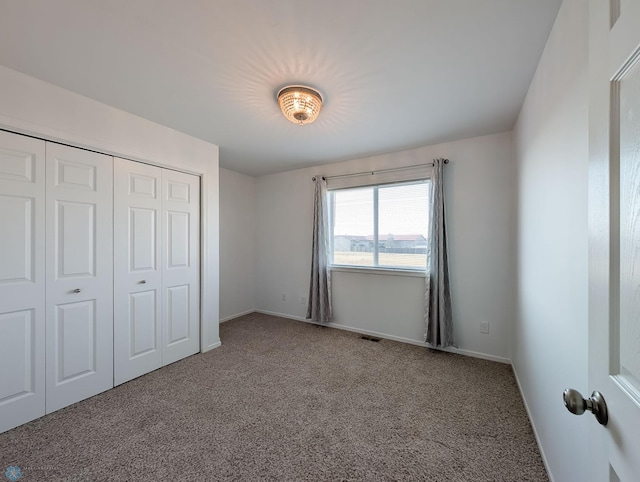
(409, 273)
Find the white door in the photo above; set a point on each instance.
(614, 236)
(22, 279)
(79, 291)
(180, 265)
(137, 269)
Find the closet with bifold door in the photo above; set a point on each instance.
(99, 273)
(56, 277)
(156, 268)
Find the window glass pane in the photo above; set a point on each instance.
(403, 221)
(352, 215)
(397, 213)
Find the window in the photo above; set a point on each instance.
(382, 226)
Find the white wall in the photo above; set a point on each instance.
(34, 107)
(480, 193)
(237, 244)
(551, 331)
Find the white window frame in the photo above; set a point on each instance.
(376, 268)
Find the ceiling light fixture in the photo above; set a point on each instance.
(300, 104)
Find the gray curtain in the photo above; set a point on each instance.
(437, 296)
(319, 306)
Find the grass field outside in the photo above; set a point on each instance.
(395, 260)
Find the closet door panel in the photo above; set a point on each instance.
(22, 279)
(79, 262)
(75, 237)
(181, 265)
(75, 328)
(137, 260)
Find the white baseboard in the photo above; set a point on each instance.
(533, 425)
(237, 315)
(474, 354)
(212, 346)
(282, 315)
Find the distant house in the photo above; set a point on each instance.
(402, 241)
(351, 243)
(391, 243)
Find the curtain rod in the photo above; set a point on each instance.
(371, 173)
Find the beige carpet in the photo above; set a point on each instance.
(287, 401)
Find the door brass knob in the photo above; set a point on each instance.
(577, 405)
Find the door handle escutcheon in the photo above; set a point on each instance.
(595, 404)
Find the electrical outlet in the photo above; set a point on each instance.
(284, 297)
(484, 327)
(303, 300)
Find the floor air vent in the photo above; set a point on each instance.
(370, 338)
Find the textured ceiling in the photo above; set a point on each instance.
(394, 74)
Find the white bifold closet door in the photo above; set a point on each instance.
(79, 289)
(22, 279)
(137, 269)
(157, 268)
(180, 265)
